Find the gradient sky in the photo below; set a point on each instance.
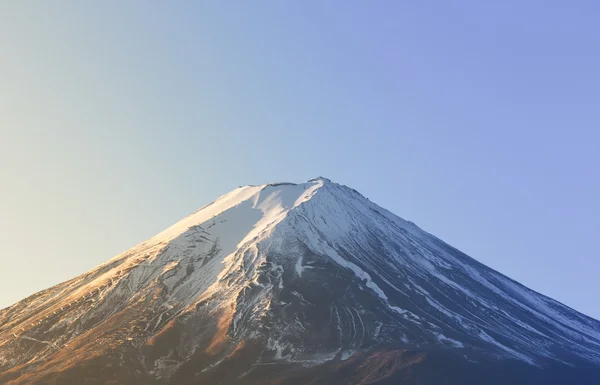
(477, 120)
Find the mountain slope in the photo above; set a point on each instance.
(293, 282)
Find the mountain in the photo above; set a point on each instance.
(287, 284)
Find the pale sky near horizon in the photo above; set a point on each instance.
(478, 121)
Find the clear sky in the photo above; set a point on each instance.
(477, 120)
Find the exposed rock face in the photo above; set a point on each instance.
(295, 284)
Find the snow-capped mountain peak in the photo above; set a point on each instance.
(291, 274)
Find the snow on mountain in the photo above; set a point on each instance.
(304, 274)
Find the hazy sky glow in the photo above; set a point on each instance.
(479, 121)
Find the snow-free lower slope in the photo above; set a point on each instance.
(294, 274)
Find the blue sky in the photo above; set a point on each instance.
(476, 120)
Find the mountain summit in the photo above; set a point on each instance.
(292, 284)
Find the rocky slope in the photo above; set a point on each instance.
(294, 284)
